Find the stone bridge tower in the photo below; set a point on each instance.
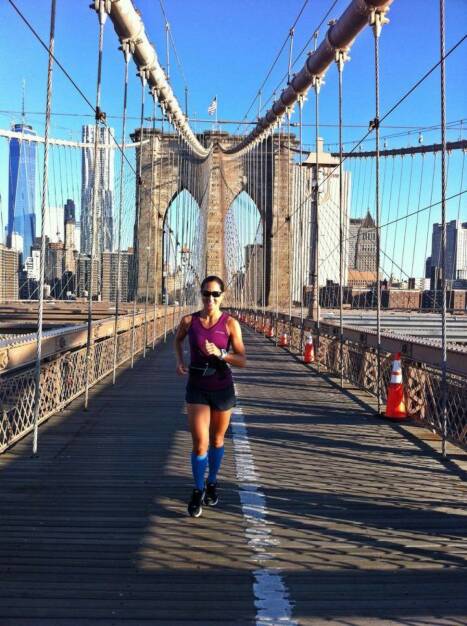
(265, 175)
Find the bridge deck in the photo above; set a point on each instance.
(333, 515)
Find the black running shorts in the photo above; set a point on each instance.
(220, 400)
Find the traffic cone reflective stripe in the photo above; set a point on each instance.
(309, 354)
(395, 405)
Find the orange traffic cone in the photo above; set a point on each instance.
(283, 340)
(395, 404)
(270, 331)
(309, 354)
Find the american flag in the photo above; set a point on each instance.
(213, 106)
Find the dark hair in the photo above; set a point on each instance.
(216, 279)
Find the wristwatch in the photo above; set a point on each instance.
(223, 354)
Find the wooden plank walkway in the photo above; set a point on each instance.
(366, 527)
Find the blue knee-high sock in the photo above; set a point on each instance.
(215, 456)
(198, 465)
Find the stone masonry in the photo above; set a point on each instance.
(168, 168)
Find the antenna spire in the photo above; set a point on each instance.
(23, 97)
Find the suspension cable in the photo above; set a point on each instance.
(316, 291)
(150, 242)
(377, 19)
(126, 58)
(156, 220)
(301, 102)
(288, 219)
(102, 18)
(444, 390)
(137, 219)
(340, 59)
(45, 178)
(276, 212)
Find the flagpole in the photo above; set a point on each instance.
(217, 106)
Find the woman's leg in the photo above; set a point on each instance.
(198, 421)
(220, 421)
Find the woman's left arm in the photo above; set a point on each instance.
(238, 356)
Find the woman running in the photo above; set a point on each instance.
(210, 393)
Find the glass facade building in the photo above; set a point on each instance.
(22, 190)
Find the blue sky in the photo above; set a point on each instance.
(226, 49)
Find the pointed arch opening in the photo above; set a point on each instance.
(183, 243)
(244, 251)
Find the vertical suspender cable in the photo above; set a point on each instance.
(99, 115)
(318, 82)
(255, 247)
(166, 227)
(377, 32)
(301, 101)
(150, 243)
(275, 211)
(126, 55)
(180, 162)
(137, 217)
(155, 208)
(288, 220)
(444, 390)
(159, 201)
(340, 66)
(45, 180)
(263, 202)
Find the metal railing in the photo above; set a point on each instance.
(421, 375)
(63, 370)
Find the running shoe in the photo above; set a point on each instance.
(210, 496)
(195, 505)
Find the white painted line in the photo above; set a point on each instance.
(271, 596)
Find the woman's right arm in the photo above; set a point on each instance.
(180, 335)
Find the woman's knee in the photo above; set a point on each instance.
(216, 440)
(200, 446)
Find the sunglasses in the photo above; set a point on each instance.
(214, 294)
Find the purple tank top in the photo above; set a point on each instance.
(219, 335)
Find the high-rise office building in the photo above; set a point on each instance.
(362, 244)
(9, 267)
(54, 258)
(70, 224)
(22, 189)
(103, 232)
(83, 276)
(110, 273)
(456, 252)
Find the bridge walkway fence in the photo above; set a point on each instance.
(63, 370)
(421, 369)
(328, 514)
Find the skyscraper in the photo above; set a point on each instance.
(362, 244)
(70, 261)
(105, 186)
(456, 250)
(22, 190)
(8, 274)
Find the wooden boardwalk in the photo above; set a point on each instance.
(363, 525)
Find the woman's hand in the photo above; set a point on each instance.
(212, 349)
(182, 369)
